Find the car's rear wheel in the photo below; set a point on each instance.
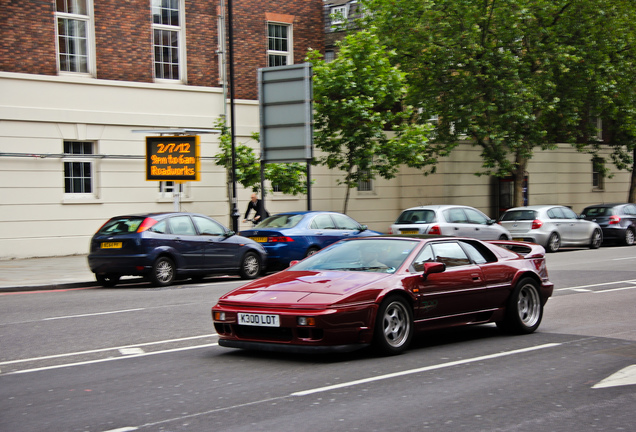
(524, 310)
(554, 243)
(503, 237)
(628, 238)
(107, 280)
(312, 250)
(163, 272)
(596, 239)
(393, 326)
(251, 266)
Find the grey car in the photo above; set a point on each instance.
(448, 219)
(551, 226)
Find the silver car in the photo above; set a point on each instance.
(451, 220)
(551, 226)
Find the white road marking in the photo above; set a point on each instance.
(131, 351)
(106, 349)
(582, 288)
(93, 314)
(110, 359)
(423, 369)
(626, 376)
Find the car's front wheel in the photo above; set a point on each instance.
(596, 239)
(312, 250)
(163, 272)
(107, 280)
(554, 243)
(251, 266)
(524, 310)
(393, 326)
(628, 239)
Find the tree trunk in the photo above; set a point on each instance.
(521, 163)
(632, 186)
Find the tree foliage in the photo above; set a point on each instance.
(512, 76)
(361, 124)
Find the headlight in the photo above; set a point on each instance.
(306, 321)
(218, 316)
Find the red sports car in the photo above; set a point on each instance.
(380, 290)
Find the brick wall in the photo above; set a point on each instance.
(123, 38)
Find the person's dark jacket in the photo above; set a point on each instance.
(258, 208)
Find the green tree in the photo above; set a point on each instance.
(361, 124)
(512, 76)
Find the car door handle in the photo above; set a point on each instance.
(456, 229)
(476, 278)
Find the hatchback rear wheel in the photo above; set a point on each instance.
(554, 243)
(163, 272)
(628, 239)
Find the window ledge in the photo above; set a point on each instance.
(82, 201)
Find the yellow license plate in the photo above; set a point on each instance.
(259, 239)
(410, 232)
(111, 245)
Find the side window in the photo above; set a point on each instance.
(478, 253)
(568, 213)
(75, 42)
(630, 210)
(345, 222)
(450, 253)
(455, 215)
(168, 39)
(323, 221)
(475, 217)
(78, 169)
(555, 213)
(426, 255)
(208, 227)
(160, 227)
(181, 225)
(279, 44)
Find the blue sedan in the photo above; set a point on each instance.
(295, 235)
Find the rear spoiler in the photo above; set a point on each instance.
(526, 249)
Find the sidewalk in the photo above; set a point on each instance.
(45, 273)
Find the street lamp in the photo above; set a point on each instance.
(235, 212)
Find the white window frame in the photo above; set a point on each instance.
(179, 30)
(83, 158)
(289, 54)
(88, 21)
(339, 10)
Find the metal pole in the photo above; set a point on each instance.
(235, 212)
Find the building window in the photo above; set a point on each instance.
(169, 188)
(279, 50)
(330, 55)
(365, 185)
(598, 173)
(74, 35)
(78, 168)
(338, 14)
(167, 34)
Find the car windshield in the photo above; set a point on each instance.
(518, 215)
(121, 225)
(377, 255)
(281, 221)
(416, 217)
(598, 211)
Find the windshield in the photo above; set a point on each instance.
(416, 217)
(121, 225)
(377, 255)
(281, 221)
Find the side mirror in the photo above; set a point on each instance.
(433, 267)
(363, 228)
(229, 233)
(293, 263)
(491, 222)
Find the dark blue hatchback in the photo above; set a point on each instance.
(163, 246)
(295, 235)
(618, 221)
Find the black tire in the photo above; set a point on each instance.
(393, 326)
(312, 250)
(524, 309)
(503, 237)
(107, 280)
(251, 266)
(163, 272)
(628, 239)
(596, 240)
(554, 243)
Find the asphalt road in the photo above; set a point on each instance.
(140, 358)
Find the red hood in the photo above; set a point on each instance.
(303, 288)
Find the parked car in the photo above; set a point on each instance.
(551, 226)
(295, 235)
(618, 221)
(381, 290)
(449, 220)
(163, 246)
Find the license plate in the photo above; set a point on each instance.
(259, 239)
(111, 245)
(260, 320)
(410, 232)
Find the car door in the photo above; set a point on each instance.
(557, 222)
(579, 230)
(189, 246)
(323, 230)
(457, 223)
(220, 252)
(480, 225)
(457, 290)
(347, 226)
